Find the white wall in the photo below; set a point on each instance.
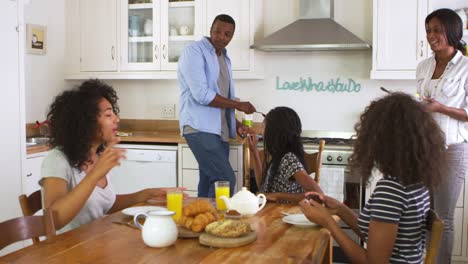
(44, 73)
(318, 111)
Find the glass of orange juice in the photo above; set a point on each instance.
(221, 188)
(174, 202)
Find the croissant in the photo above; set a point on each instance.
(202, 220)
(198, 207)
(185, 221)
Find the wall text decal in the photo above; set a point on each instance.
(307, 85)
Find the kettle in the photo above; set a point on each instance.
(245, 202)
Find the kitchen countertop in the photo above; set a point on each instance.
(168, 137)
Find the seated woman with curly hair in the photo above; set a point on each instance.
(397, 136)
(75, 173)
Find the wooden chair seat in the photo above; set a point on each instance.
(26, 227)
(30, 205)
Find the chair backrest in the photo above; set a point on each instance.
(30, 205)
(26, 227)
(435, 225)
(314, 161)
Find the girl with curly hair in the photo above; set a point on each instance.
(285, 177)
(443, 84)
(75, 173)
(397, 136)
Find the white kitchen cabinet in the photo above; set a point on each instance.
(154, 33)
(188, 173)
(32, 172)
(399, 38)
(239, 48)
(143, 39)
(98, 32)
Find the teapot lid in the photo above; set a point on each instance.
(244, 195)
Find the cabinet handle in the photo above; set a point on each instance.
(422, 50)
(156, 52)
(29, 175)
(164, 51)
(113, 52)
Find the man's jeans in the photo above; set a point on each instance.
(212, 155)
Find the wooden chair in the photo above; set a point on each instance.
(30, 205)
(323, 248)
(435, 226)
(26, 227)
(312, 160)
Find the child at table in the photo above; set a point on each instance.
(75, 173)
(398, 137)
(282, 174)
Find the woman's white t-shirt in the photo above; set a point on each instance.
(56, 165)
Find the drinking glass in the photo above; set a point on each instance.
(221, 188)
(174, 202)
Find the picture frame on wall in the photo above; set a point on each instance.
(36, 39)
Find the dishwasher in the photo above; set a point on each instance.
(145, 166)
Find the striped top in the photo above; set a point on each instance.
(407, 206)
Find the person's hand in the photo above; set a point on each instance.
(431, 105)
(253, 141)
(246, 107)
(108, 159)
(331, 203)
(315, 212)
(159, 193)
(271, 197)
(242, 130)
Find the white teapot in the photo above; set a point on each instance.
(159, 229)
(245, 202)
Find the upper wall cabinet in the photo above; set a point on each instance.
(98, 28)
(143, 39)
(154, 33)
(399, 39)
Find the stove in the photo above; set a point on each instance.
(338, 145)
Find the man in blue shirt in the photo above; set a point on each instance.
(206, 117)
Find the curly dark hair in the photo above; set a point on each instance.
(397, 136)
(282, 135)
(73, 119)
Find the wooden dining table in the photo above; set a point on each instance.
(105, 242)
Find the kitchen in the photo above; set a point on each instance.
(142, 97)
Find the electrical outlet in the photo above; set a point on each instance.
(168, 110)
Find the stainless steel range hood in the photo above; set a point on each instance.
(316, 30)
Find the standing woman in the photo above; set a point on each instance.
(443, 86)
(75, 173)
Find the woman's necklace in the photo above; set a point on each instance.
(427, 90)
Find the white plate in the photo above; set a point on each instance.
(298, 220)
(141, 209)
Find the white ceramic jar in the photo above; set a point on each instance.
(159, 229)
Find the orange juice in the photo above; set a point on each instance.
(174, 203)
(220, 191)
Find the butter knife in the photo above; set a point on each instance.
(130, 224)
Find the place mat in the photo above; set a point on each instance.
(185, 233)
(224, 242)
